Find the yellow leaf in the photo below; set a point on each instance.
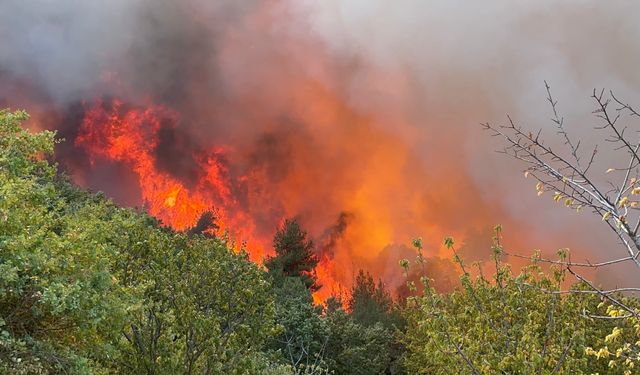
(610, 170)
(614, 335)
(623, 201)
(606, 216)
(635, 191)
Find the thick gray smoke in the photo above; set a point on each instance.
(427, 71)
(472, 62)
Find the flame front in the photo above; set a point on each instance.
(130, 136)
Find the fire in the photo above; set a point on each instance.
(246, 111)
(130, 136)
(199, 125)
(337, 163)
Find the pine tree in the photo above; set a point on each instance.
(295, 255)
(370, 302)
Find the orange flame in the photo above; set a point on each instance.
(129, 136)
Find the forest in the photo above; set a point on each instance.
(88, 287)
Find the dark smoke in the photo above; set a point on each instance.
(334, 233)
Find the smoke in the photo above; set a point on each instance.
(318, 109)
(472, 63)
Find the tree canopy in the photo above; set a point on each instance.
(294, 255)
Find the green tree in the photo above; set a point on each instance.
(365, 339)
(60, 304)
(371, 303)
(505, 324)
(206, 310)
(611, 193)
(294, 256)
(304, 333)
(355, 348)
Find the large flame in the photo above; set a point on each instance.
(130, 136)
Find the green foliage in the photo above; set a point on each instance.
(206, 310)
(363, 341)
(620, 348)
(302, 340)
(355, 348)
(304, 333)
(294, 255)
(371, 303)
(60, 305)
(507, 324)
(87, 287)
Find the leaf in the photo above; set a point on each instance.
(448, 242)
(623, 201)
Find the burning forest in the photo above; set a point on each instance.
(358, 121)
(193, 116)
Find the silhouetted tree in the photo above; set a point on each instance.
(295, 255)
(206, 225)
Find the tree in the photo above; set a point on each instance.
(508, 324)
(60, 303)
(573, 175)
(364, 339)
(294, 256)
(354, 348)
(569, 174)
(304, 334)
(205, 310)
(371, 303)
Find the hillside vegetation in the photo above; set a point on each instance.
(87, 287)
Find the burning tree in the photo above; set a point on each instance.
(613, 195)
